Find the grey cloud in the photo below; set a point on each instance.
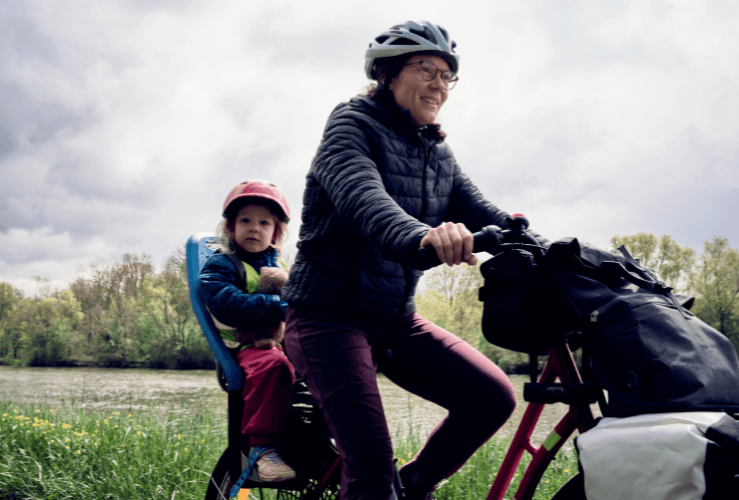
(331, 46)
(7, 143)
(24, 40)
(577, 33)
(29, 122)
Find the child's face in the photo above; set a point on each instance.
(254, 228)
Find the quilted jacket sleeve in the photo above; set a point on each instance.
(233, 306)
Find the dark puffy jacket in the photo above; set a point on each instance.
(376, 186)
(223, 292)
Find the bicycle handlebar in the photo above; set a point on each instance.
(491, 239)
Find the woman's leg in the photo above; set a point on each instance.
(440, 367)
(267, 393)
(334, 358)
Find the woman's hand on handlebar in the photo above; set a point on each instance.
(453, 243)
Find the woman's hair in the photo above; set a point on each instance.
(226, 227)
(387, 69)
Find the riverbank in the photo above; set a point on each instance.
(69, 452)
(186, 392)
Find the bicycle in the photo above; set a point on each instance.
(319, 470)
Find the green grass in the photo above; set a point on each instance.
(69, 453)
(474, 480)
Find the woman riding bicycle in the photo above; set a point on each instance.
(382, 184)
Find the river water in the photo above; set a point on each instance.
(130, 390)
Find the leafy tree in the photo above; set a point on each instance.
(716, 285)
(668, 259)
(452, 281)
(8, 302)
(109, 298)
(47, 328)
(176, 340)
(451, 301)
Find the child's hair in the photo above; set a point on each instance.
(254, 192)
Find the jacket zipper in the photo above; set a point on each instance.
(423, 175)
(408, 273)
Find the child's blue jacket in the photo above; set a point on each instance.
(226, 298)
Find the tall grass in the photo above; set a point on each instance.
(69, 453)
(474, 480)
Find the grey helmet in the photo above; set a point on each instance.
(409, 37)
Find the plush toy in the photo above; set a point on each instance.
(271, 280)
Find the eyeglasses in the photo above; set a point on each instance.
(429, 72)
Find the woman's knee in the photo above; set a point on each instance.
(496, 404)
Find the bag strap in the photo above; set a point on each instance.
(619, 269)
(651, 286)
(635, 265)
(239, 267)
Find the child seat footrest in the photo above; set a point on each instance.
(256, 452)
(568, 393)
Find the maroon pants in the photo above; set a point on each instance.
(339, 359)
(267, 393)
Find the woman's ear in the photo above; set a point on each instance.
(381, 79)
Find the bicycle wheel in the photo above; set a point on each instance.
(220, 484)
(574, 489)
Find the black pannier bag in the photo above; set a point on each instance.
(648, 351)
(519, 311)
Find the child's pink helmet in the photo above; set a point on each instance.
(264, 190)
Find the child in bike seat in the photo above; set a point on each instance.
(241, 287)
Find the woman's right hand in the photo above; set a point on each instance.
(453, 243)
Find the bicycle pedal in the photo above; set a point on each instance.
(568, 393)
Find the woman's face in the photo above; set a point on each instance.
(423, 99)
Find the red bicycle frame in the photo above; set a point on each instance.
(560, 365)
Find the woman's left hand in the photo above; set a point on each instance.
(453, 243)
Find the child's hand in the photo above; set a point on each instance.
(265, 343)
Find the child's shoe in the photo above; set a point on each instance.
(270, 468)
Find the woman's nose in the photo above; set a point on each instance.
(438, 83)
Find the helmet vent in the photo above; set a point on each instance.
(425, 33)
(403, 41)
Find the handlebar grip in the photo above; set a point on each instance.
(487, 240)
(427, 258)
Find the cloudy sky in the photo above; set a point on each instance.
(124, 123)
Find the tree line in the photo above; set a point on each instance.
(118, 314)
(128, 313)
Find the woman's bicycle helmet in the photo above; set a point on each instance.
(409, 37)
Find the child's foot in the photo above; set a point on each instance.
(270, 468)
